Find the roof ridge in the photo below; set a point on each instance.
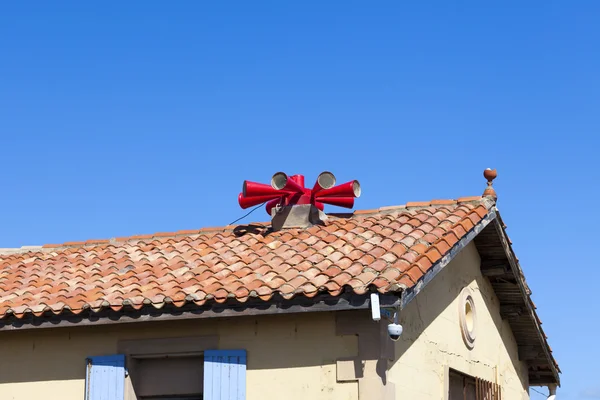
(18, 250)
(418, 205)
(415, 205)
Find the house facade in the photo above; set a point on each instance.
(245, 312)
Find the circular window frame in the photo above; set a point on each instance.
(466, 320)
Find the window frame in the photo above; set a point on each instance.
(139, 349)
(493, 389)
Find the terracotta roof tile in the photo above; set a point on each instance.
(388, 248)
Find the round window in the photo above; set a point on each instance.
(467, 317)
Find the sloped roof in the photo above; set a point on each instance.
(391, 249)
(388, 248)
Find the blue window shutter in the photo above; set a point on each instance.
(225, 375)
(105, 378)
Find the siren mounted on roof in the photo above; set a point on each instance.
(290, 191)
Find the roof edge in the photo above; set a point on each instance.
(409, 294)
(492, 217)
(107, 316)
(518, 273)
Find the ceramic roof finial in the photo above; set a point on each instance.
(490, 175)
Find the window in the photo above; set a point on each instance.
(467, 317)
(168, 378)
(464, 387)
(210, 375)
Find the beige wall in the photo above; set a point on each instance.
(432, 340)
(287, 355)
(294, 356)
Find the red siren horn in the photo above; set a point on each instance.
(280, 181)
(299, 179)
(290, 191)
(348, 189)
(347, 202)
(246, 202)
(325, 180)
(251, 189)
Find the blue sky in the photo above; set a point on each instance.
(119, 119)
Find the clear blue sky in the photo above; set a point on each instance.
(119, 119)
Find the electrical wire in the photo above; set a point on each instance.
(250, 212)
(537, 391)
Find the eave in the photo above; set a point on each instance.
(500, 265)
(277, 305)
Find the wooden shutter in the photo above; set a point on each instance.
(225, 375)
(464, 387)
(105, 378)
(486, 390)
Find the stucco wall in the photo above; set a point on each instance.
(291, 357)
(432, 338)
